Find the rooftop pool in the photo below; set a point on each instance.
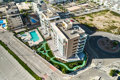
(34, 36)
(33, 20)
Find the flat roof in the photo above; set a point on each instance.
(75, 31)
(50, 13)
(23, 5)
(74, 8)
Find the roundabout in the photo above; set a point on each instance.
(102, 47)
(107, 45)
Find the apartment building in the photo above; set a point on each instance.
(69, 38)
(13, 16)
(46, 17)
(110, 4)
(38, 6)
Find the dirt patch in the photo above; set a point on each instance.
(104, 21)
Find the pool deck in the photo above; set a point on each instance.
(4, 22)
(31, 43)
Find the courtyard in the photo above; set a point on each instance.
(38, 44)
(31, 38)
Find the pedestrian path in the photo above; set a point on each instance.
(53, 58)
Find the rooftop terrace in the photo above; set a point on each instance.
(71, 30)
(50, 13)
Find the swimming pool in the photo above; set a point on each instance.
(33, 20)
(34, 36)
(1, 21)
(3, 25)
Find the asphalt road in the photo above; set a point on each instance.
(34, 61)
(10, 69)
(40, 67)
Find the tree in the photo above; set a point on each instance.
(21, 11)
(56, 66)
(113, 73)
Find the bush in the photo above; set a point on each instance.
(50, 54)
(63, 70)
(113, 73)
(56, 66)
(47, 47)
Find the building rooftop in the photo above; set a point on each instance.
(15, 21)
(69, 28)
(51, 13)
(23, 5)
(11, 5)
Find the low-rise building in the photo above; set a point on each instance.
(15, 22)
(13, 16)
(23, 6)
(12, 9)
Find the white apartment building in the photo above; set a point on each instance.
(38, 6)
(113, 5)
(68, 37)
(46, 17)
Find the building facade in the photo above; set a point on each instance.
(38, 6)
(69, 38)
(13, 16)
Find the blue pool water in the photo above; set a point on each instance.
(34, 36)
(33, 20)
(3, 25)
(1, 21)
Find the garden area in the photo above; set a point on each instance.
(66, 67)
(44, 51)
(105, 20)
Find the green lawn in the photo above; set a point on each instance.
(20, 61)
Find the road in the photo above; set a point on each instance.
(40, 67)
(10, 69)
(33, 60)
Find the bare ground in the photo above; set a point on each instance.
(104, 20)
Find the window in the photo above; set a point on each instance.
(74, 46)
(75, 43)
(76, 40)
(74, 49)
